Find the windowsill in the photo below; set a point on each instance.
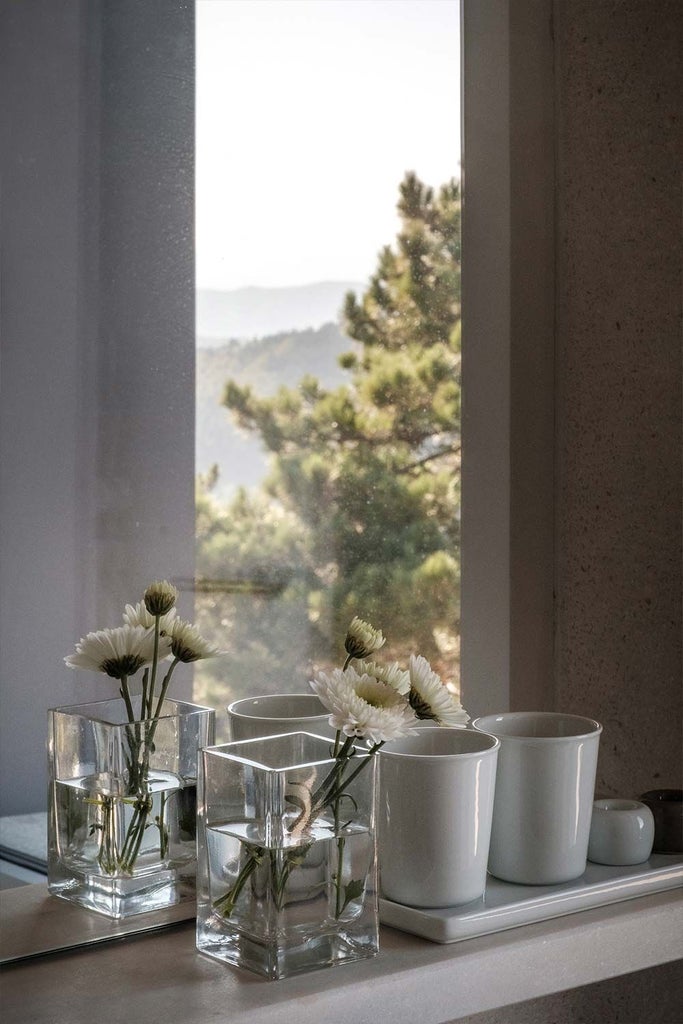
(415, 978)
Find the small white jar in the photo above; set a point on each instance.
(622, 832)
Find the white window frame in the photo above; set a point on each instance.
(507, 620)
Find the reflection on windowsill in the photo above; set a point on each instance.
(23, 847)
(12, 876)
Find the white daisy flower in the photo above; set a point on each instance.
(363, 706)
(160, 597)
(430, 698)
(187, 644)
(117, 652)
(392, 675)
(362, 639)
(137, 615)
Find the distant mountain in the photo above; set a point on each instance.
(266, 364)
(247, 313)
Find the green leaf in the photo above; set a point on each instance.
(353, 891)
(361, 511)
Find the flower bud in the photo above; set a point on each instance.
(362, 639)
(160, 597)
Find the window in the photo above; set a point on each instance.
(96, 437)
(340, 495)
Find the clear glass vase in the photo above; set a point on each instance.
(285, 885)
(122, 804)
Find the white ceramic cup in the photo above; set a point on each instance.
(622, 832)
(434, 818)
(277, 713)
(545, 786)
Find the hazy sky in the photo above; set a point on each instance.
(308, 114)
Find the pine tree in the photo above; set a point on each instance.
(371, 469)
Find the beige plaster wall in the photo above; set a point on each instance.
(618, 382)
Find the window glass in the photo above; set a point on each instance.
(328, 334)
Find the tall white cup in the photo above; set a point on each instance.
(544, 795)
(434, 818)
(273, 714)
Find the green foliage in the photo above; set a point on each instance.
(252, 587)
(292, 358)
(360, 513)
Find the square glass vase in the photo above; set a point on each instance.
(122, 804)
(286, 880)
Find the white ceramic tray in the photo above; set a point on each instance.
(504, 905)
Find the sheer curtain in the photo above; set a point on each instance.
(97, 454)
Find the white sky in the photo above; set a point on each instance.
(309, 112)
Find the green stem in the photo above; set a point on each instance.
(334, 799)
(136, 829)
(133, 734)
(329, 793)
(161, 825)
(340, 860)
(335, 794)
(145, 680)
(151, 728)
(125, 693)
(338, 880)
(135, 834)
(280, 878)
(347, 662)
(164, 690)
(341, 757)
(226, 904)
(155, 660)
(331, 788)
(106, 856)
(138, 766)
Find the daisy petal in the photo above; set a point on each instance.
(430, 698)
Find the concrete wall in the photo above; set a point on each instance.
(617, 487)
(618, 501)
(647, 997)
(618, 382)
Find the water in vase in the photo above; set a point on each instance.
(272, 903)
(106, 830)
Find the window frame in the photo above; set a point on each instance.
(508, 286)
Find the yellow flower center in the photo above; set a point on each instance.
(376, 693)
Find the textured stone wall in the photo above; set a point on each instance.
(647, 997)
(618, 387)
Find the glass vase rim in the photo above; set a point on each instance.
(221, 750)
(185, 710)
